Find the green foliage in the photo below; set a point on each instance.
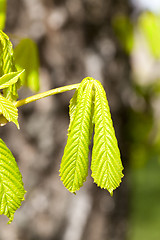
(149, 24)
(106, 164)
(74, 166)
(3, 4)
(26, 57)
(11, 185)
(9, 111)
(8, 82)
(88, 107)
(7, 66)
(9, 79)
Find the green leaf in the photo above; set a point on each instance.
(149, 24)
(9, 111)
(7, 66)
(6, 58)
(26, 57)
(11, 185)
(74, 166)
(3, 5)
(106, 164)
(9, 79)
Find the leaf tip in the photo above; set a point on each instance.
(17, 124)
(111, 193)
(10, 219)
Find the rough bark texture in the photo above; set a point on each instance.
(75, 39)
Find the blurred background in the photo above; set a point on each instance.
(118, 43)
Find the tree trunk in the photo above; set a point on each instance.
(75, 39)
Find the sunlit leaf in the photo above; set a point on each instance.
(11, 185)
(9, 79)
(106, 163)
(9, 111)
(74, 166)
(7, 66)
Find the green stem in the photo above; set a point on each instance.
(46, 94)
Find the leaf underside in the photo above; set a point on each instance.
(106, 164)
(11, 185)
(74, 165)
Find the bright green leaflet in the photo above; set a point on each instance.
(7, 66)
(74, 166)
(9, 111)
(9, 79)
(11, 185)
(3, 6)
(26, 57)
(106, 164)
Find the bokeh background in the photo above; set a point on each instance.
(118, 43)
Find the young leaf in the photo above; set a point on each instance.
(9, 111)
(7, 65)
(106, 164)
(9, 79)
(11, 185)
(26, 57)
(3, 4)
(74, 166)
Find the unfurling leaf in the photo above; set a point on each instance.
(11, 185)
(89, 107)
(74, 166)
(106, 164)
(7, 66)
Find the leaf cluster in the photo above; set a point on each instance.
(88, 108)
(11, 185)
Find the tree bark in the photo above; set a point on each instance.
(75, 39)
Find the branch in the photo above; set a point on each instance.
(45, 94)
